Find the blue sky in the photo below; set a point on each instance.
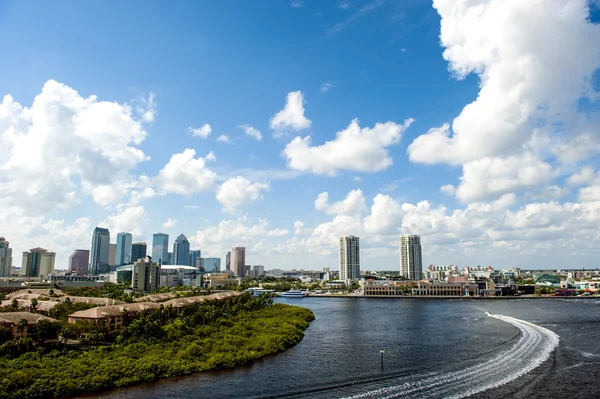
(172, 67)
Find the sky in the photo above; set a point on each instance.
(282, 125)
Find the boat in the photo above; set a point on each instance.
(489, 313)
(292, 294)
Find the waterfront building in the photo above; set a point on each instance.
(228, 262)
(212, 265)
(349, 258)
(445, 289)
(195, 257)
(160, 248)
(138, 251)
(181, 251)
(99, 256)
(411, 265)
(37, 262)
(79, 260)
(124, 249)
(238, 261)
(386, 288)
(5, 258)
(145, 275)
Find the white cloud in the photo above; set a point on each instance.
(223, 138)
(356, 149)
(148, 110)
(325, 87)
(386, 216)
(203, 131)
(353, 203)
(169, 223)
(238, 191)
(584, 176)
(210, 157)
(291, 117)
(296, 4)
(251, 131)
(184, 174)
(130, 218)
(448, 189)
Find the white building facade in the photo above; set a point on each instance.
(411, 263)
(349, 258)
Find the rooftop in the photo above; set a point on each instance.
(15, 317)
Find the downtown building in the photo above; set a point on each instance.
(123, 250)
(411, 263)
(181, 251)
(238, 261)
(99, 256)
(138, 251)
(195, 258)
(349, 258)
(79, 260)
(5, 258)
(160, 248)
(145, 276)
(38, 262)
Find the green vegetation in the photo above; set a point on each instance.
(156, 344)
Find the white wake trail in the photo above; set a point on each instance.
(533, 348)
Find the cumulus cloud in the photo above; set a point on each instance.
(291, 117)
(325, 87)
(184, 174)
(352, 204)
(223, 138)
(354, 148)
(130, 218)
(203, 131)
(584, 176)
(238, 191)
(251, 131)
(169, 223)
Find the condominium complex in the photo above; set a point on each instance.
(349, 258)
(160, 248)
(181, 251)
(5, 258)
(79, 260)
(124, 247)
(37, 262)
(145, 275)
(99, 256)
(238, 261)
(411, 265)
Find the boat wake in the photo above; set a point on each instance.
(533, 348)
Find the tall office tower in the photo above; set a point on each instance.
(349, 258)
(138, 251)
(238, 261)
(181, 251)
(99, 261)
(170, 258)
(112, 254)
(79, 260)
(124, 248)
(228, 262)
(145, 275)
(411, 265)
(195, 256)
(5, 258)
(160, 248)
(37, 262)
(258, 271)
(212, 265)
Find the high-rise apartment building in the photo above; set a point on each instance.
(411, 264)
(238, 261)
(138, 251)
(99, 256)
(5, 258)
(228, 262)
(37, 262)
(124, 248)
(195, 257)
(160, 248)
(145, 275)
(212, 265)
(349, 258)
(79, 260)
(181, 251)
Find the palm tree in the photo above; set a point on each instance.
(34, 304)
(14, 303)
(21, 326)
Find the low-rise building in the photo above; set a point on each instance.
(22, 324)
(219, 280)
(386, 287)
(444, 289)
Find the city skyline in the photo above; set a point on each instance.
(282, 128)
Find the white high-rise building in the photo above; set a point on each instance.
(349, 258)
(411, 263)
(145, 275)
(37, 262)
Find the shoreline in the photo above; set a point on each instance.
(461, 298)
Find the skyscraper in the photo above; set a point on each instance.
(160, 248)
(100, 250)
(349, 258)
(123, 253)
(212, 265)
(79, 260)
(181, 251)
(145, 275)
(411, 265)
(112, 254)
(228, 262)
(195, 256)
(37, 262)
(138, 251)
(5, 258)
(238, 261)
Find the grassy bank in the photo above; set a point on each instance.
(193, 342)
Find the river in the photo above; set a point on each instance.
(433, 349)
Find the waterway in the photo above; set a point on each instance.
(433, 349)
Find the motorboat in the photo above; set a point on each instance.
(292, 294)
